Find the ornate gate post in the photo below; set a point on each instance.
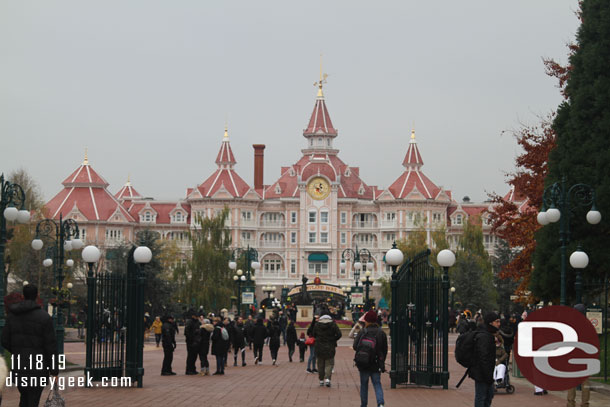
(445, 259)
(394, 257)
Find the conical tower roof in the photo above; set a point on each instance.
(127, 192)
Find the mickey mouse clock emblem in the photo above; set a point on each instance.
(318, 188)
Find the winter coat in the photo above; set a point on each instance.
(157, 327)
(483, 367)
(219, 345)
(501, 354)
(355, 329)
(508, 337)
(29, 332)
(327, 333)
(462, 326)
(381, 346)
(274, 335)
(259, 333)
(291, 334)
(248, 328)
(283, 321)
(192, 333)
(168, 335)
(206, 334)
(238, 336)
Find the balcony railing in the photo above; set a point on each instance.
(272, 224)
(247, 223)
(389, 223)
(370, 224)
(272, 243)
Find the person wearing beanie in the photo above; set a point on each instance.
(584, 387)
(327, 333)
(482, 370)
(369, 335)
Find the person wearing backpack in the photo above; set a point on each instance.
(484, 359)
(219, 345)
(192, 333)
(326, 333)
(371, 346)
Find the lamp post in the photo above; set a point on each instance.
(239, 278)
(579, 260)
(135, 357)
(452, 289)
(355, 256)
(394, 258)
(269, 289)
(64, 236)
(347, 290)
(251, 257)
(366, 281)
(445, 259)
(558, 198)
(91, 255)
(11, 197)
(70, 286)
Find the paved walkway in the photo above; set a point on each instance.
(287, 384)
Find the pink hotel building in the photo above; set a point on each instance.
(299, 224)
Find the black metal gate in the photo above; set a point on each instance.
(419, 334)
(115, 329)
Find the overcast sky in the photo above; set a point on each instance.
(147, 86)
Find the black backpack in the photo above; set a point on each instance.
(465, 349)
(366, 350)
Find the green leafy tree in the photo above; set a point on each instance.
(505, 286)
(472, 274)
(207, 280)
(582, 152)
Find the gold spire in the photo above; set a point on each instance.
(322, 80)
(128, 179)
(412, 134)
(86, 160)
(226, 136)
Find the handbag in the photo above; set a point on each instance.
(310, 341)
(54, 399)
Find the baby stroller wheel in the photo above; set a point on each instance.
(510, 389)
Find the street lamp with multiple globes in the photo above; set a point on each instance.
(11, 197)
(579, 260)
(239, 278)
(269, 289)
(394, 258)
(452, 289)
(252, 263)
(63, 236)
(445, 259)
(91, 255)
(70, 286)
(558, 199)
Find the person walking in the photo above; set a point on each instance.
(326, 333)
(248, 327)
(302, 347)
(291, 338)
(29, 335)
(311, 362)
(192, 334)
(239, 341)
(584, 387)
(283, 323)
(204, 347)
(168, 340)
(482, 369)
(274, 329)
(259, 334)
(371, 346)
(157, 326)
(219, 345)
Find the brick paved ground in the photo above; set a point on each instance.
(287, 384)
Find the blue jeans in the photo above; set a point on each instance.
(364, 387)
(220, 363)
(311, 362)
(483, 393)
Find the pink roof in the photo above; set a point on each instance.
(127, 192)
(86, 191)
(85, 175)
(320, 123)
(225, 176)
(413, 157)
(225, 155)
(162, 209)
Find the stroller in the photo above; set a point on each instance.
(502, 379)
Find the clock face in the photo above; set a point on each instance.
(318, 188)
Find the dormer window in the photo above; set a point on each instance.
(361, 190)
(179, 217)
(291, 172)
(458, 219)
(147, 216)
(347, 172)
(278, 190)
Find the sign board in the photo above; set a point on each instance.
(596, 316)
(357, 296)
(247, 296)
(317, 287)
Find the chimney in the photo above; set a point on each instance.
(259, 158)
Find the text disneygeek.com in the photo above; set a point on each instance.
(14, 380)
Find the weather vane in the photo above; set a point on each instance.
(322, 80)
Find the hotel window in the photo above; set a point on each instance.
(390, 237)
(82, 233)
(293, 217)
(458, 220)
(312, 237)
(390, 216)
(245, 236)
(312, 217)
(293, 266)
(321, 268)
(343, 238)
(324, 237)
(272, 266)
(246, 216)
(293, 237)
(324, 217)
(147, 216)
(114, 234)
(343, 218)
